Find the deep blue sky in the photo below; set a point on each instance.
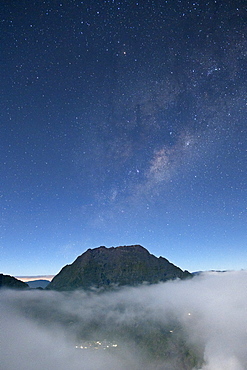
(123, 122)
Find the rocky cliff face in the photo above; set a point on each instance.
(105, 267)
(7, 281)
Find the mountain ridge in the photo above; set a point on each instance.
(41, 283)
(10, 282)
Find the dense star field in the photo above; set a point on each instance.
(123, 122)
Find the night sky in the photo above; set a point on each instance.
(123, 122)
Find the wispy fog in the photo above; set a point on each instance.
(195, 324)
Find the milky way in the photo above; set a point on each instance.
(123, 122)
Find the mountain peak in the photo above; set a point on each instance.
(104, 267)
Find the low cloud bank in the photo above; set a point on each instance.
(195, 324)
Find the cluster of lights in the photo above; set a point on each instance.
(94, 345)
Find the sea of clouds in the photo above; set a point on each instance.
(40, 329)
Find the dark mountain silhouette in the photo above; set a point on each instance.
(7, 281)
(107, 267)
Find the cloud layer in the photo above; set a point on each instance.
(195, 324)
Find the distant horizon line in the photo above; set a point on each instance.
(34, 277)
(26, 278)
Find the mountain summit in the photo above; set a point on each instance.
(105, 267)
